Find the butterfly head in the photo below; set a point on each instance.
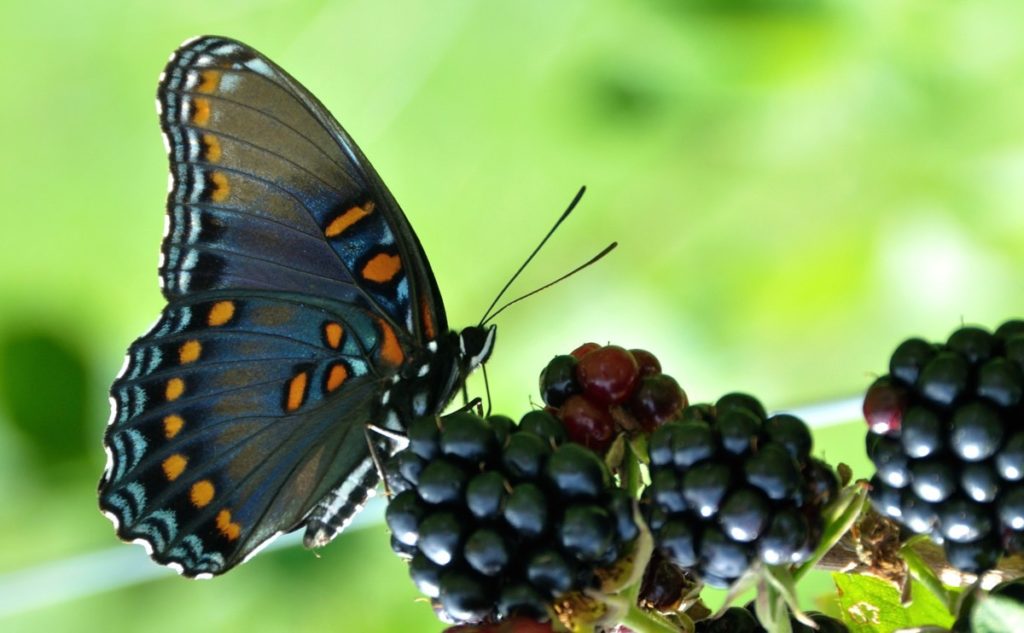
(475, 345)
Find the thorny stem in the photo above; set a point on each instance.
(844, 557)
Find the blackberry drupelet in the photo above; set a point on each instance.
(498, 521)
(730, 486)
(945, 437)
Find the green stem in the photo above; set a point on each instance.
(641, 621)
(925, 575)
(634, 480)
(835, 530)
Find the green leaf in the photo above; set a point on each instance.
(870, 605)
(996, 614)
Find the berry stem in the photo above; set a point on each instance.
(783, 585)
(632, 478)
(631, 471)
(848, 508)
(640, 621)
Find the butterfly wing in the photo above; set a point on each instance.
(232, 418)
(296, 290)
(269, 192)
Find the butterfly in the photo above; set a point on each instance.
(301, 311)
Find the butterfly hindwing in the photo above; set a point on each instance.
(226, 423)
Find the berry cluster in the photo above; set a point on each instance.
(947, 440)
(743, 620)
(497, 519)
(730, 485)
(598, 391)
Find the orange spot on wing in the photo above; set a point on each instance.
(201, 493)
(336, 377)
(208, 81)
(175, 387)
(221, 313)
(297, 391)
(227, 527)
(428, 319)
(172, 425)
(200, 111)
(333, 333)
(221, 188)
(189, 351)
(390, 349)
(174, 465)
(347, 218)
(382, 268)
(211, 148)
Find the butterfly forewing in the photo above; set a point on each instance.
(268, 191)
(297, 294)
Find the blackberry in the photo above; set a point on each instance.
(497, 521)
(731, 486)
(946, 442)
(599, 391)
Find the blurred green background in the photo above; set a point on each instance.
(797, 185)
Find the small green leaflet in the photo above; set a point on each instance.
(870, 605)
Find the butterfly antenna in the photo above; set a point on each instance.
(572, 205)
(592, 260)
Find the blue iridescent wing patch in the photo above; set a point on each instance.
(300, 303)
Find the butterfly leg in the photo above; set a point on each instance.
(475, 403)
(399, 442)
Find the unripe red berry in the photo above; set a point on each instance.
(608, 374)
(587, 423)
(584, 349)
(657, 400)
(883, 406)
(647, 362)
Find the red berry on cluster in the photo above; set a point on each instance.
(884, 404)
(598, 391)
(584, 349)
(646, 361)
(607, 374)
(658, 399)
(587, 423)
